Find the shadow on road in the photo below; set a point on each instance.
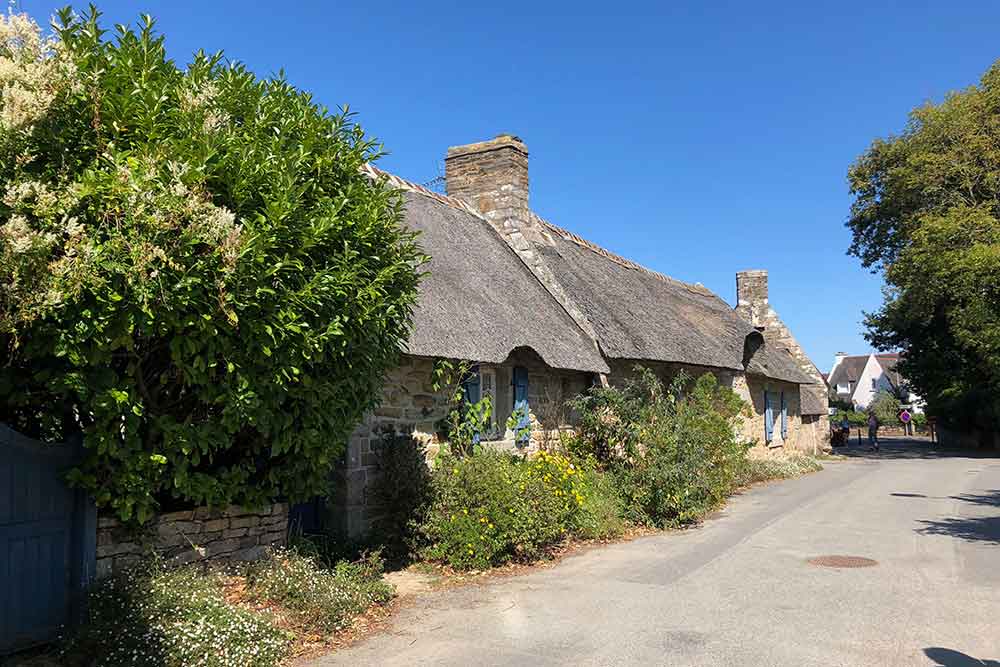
(945, 657)
(907, 448)
(971, 529)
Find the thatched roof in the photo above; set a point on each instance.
(848, 371)
(479, 301)
(643, 315)
(814, 399)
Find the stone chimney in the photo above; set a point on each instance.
(492, 176)
(751, 297)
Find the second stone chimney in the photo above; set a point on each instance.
(751, 296)
(492, 176)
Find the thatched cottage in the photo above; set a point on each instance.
(544, 314)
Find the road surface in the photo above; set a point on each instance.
(739, 590)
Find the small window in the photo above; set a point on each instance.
(874, 383)
(842, 389)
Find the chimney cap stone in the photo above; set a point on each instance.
(498, 142)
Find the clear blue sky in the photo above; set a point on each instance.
(696, 138)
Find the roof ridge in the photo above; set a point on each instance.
(618, 259)
(454, 202)
(403, 184)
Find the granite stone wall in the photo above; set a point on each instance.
(230, 534)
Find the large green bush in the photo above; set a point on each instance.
(494, 507)
(193, 270)
(676, 451)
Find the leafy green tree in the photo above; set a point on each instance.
(927, 214)
(886, 407)
(194, 272)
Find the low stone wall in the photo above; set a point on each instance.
(203, 534)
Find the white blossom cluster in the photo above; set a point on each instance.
(33, 72)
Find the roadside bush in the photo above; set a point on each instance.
(172, 618)
(494, 507)
(489, 508)
(194, 271)
(601, 513)
(319, 598)
(675, 451)
(402, 494)
(765, 469)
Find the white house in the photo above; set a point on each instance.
(859, 378)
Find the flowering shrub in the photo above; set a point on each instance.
(494, 507)
(193, 270)
(320, 598)
(674, 450)
(175, 618)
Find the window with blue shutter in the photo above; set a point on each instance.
(768, 418)
(520, 382)
(784, 418)
(470, 386)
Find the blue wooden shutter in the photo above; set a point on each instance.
(521, 397)
(520, 384)
(768, 418)
(784, 417)
(471, 387)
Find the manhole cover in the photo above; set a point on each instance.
(842, 561)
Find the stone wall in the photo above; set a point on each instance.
(203, 534)
(752, 389)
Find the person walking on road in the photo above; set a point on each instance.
(873, 430)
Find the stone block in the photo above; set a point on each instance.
(213, 525)
(234, 532)
(107, 522)
(220, 547)
(276, 537)
(118, 549)
(424, 401)
(184, 515)
(244, 521)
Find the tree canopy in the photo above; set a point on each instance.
(926, 213)
(193, 270)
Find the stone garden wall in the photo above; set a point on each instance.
(203, 534)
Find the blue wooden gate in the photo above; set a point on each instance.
(47, 541)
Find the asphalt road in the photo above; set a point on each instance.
(739, 590)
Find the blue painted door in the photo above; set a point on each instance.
(47, 541)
